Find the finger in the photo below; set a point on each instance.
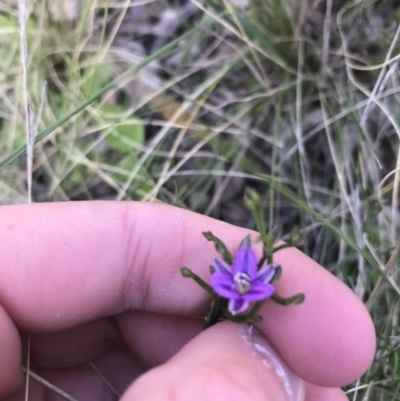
(316, 393)
(10, 351)
(219, 364)
(103, 379)
(74, 346)
(141, 331)
(156, 338)
(152, 337)
(64, 264)
(320, 326)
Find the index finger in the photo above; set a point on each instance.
(64, 264)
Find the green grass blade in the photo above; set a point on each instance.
(305, 207)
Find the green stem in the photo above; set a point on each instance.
(187, 273)
(214, 313)
(294, 300)
(252, 315)
(263, 259)
(280, 247)
(219, 246)
(277, 276)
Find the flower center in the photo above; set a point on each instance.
(242, 283)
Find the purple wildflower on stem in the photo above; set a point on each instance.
(242, 282)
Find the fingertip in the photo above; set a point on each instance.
(361, 341)
(316, 393)
(329, 339)
(219, 364)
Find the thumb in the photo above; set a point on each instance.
(226, 362)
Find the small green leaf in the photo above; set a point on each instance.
(278, 274)
(246, 243)
(126, 135)
(220, 247)
(7, 23)
(96, 78)
(295, 236)
(252, 202)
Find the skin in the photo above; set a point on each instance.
(100, 282)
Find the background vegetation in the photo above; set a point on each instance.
(190, 102)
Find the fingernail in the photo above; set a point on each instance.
(292, 384)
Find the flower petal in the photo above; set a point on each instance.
(222, 284)
(245, 262)
(266, 274)
(259, 291)
(221, 267)
(237, 306)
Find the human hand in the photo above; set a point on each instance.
(97, 285)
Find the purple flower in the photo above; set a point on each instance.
(242, 282)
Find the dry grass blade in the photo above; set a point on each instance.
(48, 385)
(28, 367)
(29, 131)
(112, 388)
(23, 17)
(380, 79)
(378, 286)
(326, 38)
